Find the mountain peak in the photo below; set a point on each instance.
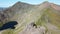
(18, 2)
(46, 2)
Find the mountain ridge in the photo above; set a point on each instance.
(42, 15)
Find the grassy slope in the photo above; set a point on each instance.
(20, 16)
(53, 19)
(41, 21)
(49, 16)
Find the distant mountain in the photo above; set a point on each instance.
(1, 8)
(45, 16)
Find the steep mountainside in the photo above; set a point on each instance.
(46, 16)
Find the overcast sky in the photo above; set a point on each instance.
(7, 3)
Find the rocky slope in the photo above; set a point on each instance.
(45, 16)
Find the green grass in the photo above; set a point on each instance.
(54, 18)
(9, 31)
